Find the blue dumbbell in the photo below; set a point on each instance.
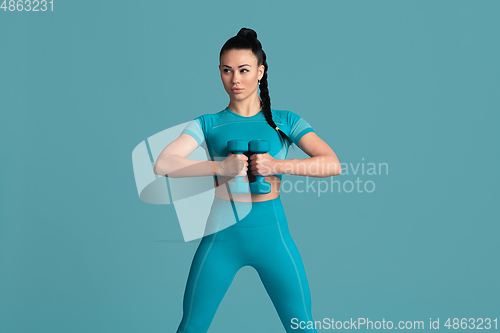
(237, 185)
(259, 186)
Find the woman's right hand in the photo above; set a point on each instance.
(234, 166)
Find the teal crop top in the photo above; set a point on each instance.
(213, 131)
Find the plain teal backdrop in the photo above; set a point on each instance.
(414, 84)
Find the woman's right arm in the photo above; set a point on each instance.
(173, 162)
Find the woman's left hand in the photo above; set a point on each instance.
(262, 164)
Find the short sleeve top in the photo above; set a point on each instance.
(215, 130)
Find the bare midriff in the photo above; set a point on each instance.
(221, 191)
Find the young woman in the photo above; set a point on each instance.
(261, 238)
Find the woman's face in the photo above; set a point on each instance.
(238, 69)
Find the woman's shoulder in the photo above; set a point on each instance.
(294, 125)
(210, 116)
(288, 117)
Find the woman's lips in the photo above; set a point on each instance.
(236, 91)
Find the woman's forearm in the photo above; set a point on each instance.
(175, 166)
(317, 166)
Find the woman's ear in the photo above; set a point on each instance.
(262, 68)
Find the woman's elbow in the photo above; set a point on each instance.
(159, 170)
(334, 167)
(155, 169)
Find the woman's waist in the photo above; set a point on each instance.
(246, 214)
(223, 189)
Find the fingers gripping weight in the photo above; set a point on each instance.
(260, 186)
(237, 185)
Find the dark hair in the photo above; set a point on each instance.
(246, 39)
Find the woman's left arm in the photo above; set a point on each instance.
(322, 163)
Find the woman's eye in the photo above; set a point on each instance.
(226, 70)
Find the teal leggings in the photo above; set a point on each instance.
(260, 239)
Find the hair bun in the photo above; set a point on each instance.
(247, 33)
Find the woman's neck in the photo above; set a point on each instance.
(245, 108)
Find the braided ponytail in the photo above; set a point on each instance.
(247, 39)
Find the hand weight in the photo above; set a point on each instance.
(237, 185)
(259, 186)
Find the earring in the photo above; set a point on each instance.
(259, 82)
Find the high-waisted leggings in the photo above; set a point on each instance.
(260, 239)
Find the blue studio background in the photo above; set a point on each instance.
(412, 84)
